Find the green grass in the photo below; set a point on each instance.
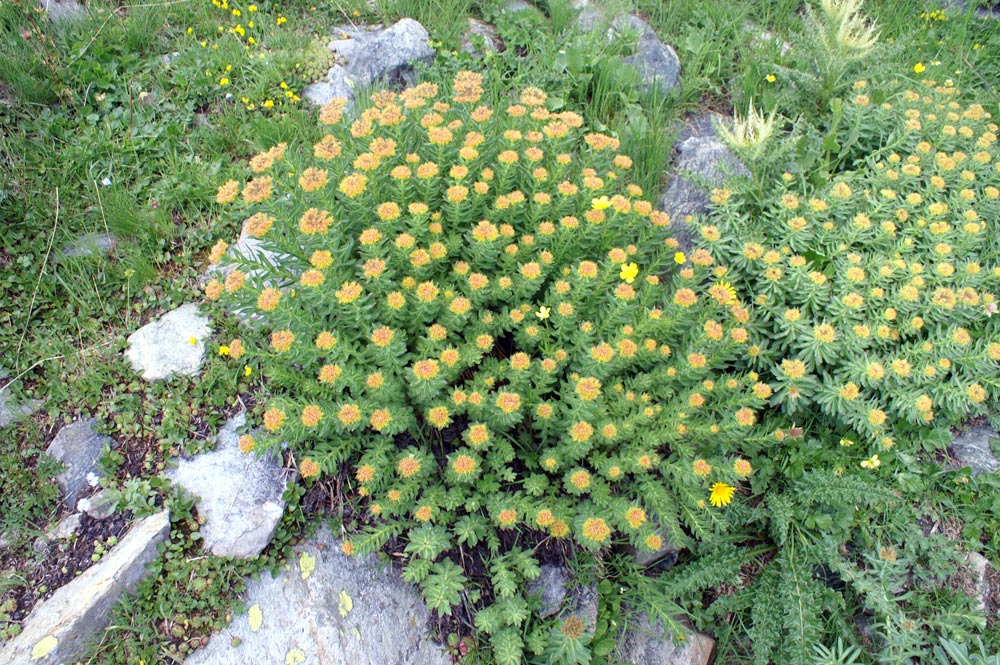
(98, 135)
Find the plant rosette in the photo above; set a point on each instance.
(475, 311)
(879, 287)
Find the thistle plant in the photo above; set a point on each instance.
(475, 312)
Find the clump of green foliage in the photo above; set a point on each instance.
(875, 292)
(474, 309)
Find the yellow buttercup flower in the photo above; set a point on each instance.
(872, 462)
(628, 272)
(602, 203)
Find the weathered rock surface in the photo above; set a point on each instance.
(327, 608)
(645, 644)
(389, 55)
(480, 33)
(972, 448)
(703, 162)
(66, 528)
(62, 10)
(11, 411)
(58, 630)
(173, 344)
(979, 566)
(78, 446)
(337, 84)
(240, 494)
(91, 244)
(554, 585)
(100, 506)
(663, 558)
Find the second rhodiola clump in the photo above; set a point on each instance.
(473, 309)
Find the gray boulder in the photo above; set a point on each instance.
(703, 162)
(239, 494)
(972, 448)
(337, 84)
(643, 643)
(389, 55)
(327, 608)
(78, 446)
(173, 344)
(657, 64)
(57, 631)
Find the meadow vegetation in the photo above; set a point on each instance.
(479, 331)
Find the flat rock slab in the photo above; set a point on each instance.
(57, 631)
(327, 608)
(78, 446)
(173, 344)
(240, 494)
(972, 448)
(645, 644)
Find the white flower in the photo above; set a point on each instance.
(83, 505)
(93, 479)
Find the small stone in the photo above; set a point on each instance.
(66, 528)
(972, 448)
(663, 558)
(514, 6)
(480, 33)
(240, 496)
(173, 344)
(78, 446)
(390, 54)
(350, 610)
(979, 566)
(80, 610)
(91, 244)
(643, 643)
